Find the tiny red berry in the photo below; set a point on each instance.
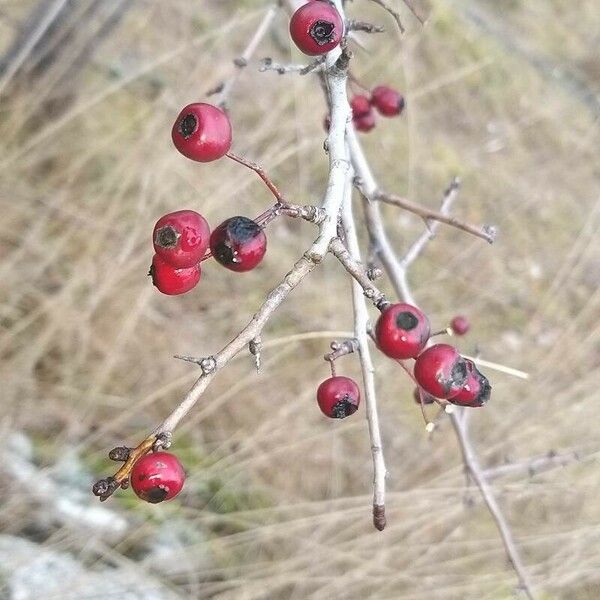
(172, 281)
(387, 101)
(202, 132)
(441, 371)
(364, 123)
(418, 393)
(477, 389)
(360, 106)
(402, 331)
(181, 238)
(338, 397)
(460, 325)
(157, 477)
(238, 244)
(316, 28)
(326, 120)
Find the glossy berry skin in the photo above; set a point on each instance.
(316, 27)
(338, 397)
(202, 132)
(181, 238)
(364, 123)
(460, 325)
(157, 477)
(387, 101)
(441, 371)
(172, 281)
(360, 106)
(238, 244)
(427, 398)
(402, 331)
(477, 389)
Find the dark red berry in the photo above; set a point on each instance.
(316, 28)
(202, 132)
(418, 393)
(157, 477)
(477, 389)
(172, 281)
(441, 371)
(360, 106)
(181, 238)
(364, 123)
(402, 331)
(238, 244)
(338, 397)
(387, 101)
(460, 325)
(327, 119)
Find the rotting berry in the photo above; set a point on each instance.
(419, 393)
(402, 331)
(238, 244)
(387, 101)
(157, 477)
(316, 28)
(202, 132)
(460, 325)
(338, 397)
(360, 106)
(172, 281)
(365, 122)
(477, 389)
(441, 371)
(181, 238)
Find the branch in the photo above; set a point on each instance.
(268, 64)
(364, 26)
(392, 12)
(533, 466)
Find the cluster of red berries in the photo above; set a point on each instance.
(387, 102)
(182, 239)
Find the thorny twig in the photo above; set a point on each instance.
(268, 64)
(364, 26)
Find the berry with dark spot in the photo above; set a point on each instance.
(441, 371)
(202, 132)
(460, 325)
(364, 123)
(387, 101)
(402, 331)
(338, 397)
(238, 244)
(181, 238)
(418, 393)
(316, 27)
(172, 281)
(157, 477)
(360, 106)
(477, 389)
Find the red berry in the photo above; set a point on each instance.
(418, 393)
(477, 389)
(181, 238)
(360, 106)
(338, 397)
(460, 325)
(441, 371)
(172, 281)
(316, 28)
(387, 101)
(202, 132)
(238, 244)
(157, 477)
(402, 331)
(364, 123)
(327, 119)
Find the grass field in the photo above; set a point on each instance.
(277, 502)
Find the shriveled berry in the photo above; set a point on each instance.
(181, 238)
(172, 281)
(238, 244)
(316, 28)
(364, 123)
(460, 325)
(441, 371)
(402, 331)
(360, 106)
(477, 389)
(419, 393)
(202, 132)
(157, 477)
(338, 397)
(387, 101)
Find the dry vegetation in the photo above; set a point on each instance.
(506, 98)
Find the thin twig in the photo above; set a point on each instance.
(392, 12)
(533, 466)
(364, 26)
(268, 64)
(414, 11)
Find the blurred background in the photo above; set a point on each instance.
(277, 501)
